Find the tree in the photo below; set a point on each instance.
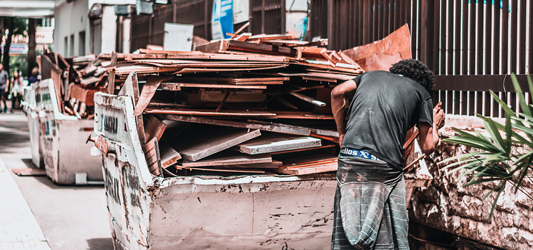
(16, 26)
(496, 158)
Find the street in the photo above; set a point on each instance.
(70, 217)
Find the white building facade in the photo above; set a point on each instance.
(78, 33)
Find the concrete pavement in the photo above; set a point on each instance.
(70, 217)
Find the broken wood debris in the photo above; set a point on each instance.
(247, 105)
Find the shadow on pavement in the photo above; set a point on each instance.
(100, 244)
(48, 182)
(29, 163)
(13, 134)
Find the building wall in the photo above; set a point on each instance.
(70, 20)
(448, 206)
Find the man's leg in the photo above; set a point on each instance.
(396, 206)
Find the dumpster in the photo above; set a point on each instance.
(206, 211)
(31, 105)
(67, 158)
(149, 212)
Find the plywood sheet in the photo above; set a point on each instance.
(277, 142)
(234, 158)
(201, 141)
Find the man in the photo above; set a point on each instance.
(370, 211)
(4, 82)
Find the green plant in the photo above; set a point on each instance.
(496, 158)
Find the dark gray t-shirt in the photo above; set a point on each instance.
(4, 76)
(384, 107)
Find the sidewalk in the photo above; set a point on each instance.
(18, 227)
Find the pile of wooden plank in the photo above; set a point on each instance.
(245, 111)
(248, 105)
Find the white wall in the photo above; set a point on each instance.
(109, 29)
(71, 19)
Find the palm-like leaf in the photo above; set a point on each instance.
(495, 158)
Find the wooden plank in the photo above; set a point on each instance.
(201, 141)
(302, 115)
(216, 70)
(231, 158)
(85, 94)
(273, 164)
(261, 48)
(199, 55)
(169, 156)
(111, 78)
(320, 75)
(213, 47)
(264, 37)
(309, 99)
(271, 127)
(303, 149)
(232, 79)
(153, 127)
(174, 86)
(148, 92)
(322, 166)
(209, 96)
(199, 112)
(275, 143)
(242, 170)
(152, 157)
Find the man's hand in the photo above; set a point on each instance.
(438, 116)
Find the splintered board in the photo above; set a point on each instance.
(277, 142)
(169, 156)
(310, 167)
(232, 158)
(201, 141)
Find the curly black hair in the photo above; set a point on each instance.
(415, 70)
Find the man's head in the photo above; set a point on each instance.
(1, 67)
(416, 71)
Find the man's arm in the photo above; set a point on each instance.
(338, 105)
(429, 136)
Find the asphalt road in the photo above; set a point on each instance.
(71, 217)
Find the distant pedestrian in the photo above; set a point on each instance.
(16, 90)
(4, 83)
(34, 76)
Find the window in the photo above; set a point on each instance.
(71, 45)
(65, 49)
(81, 44)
